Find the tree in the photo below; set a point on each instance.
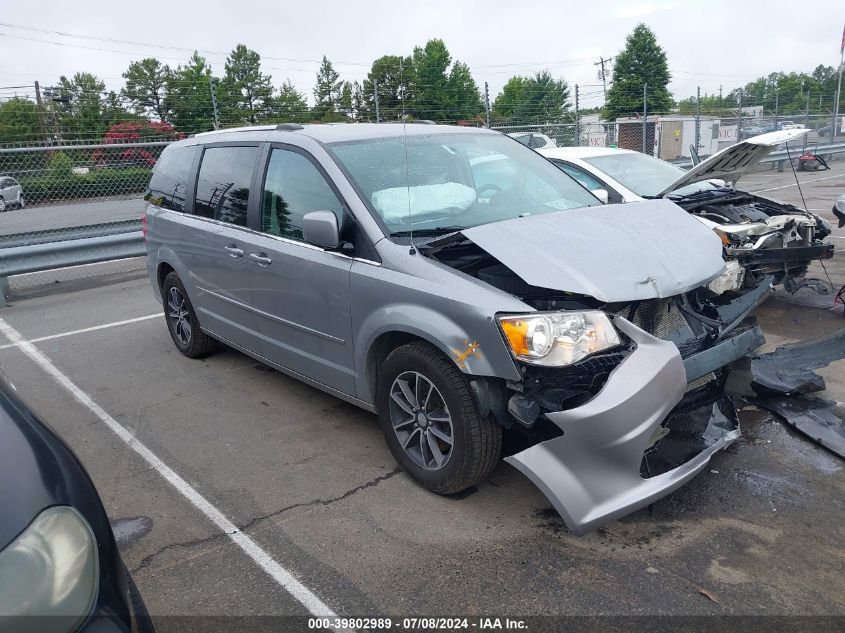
(190, 96)
(506, 106)
(641, 62)
(19, 121)
(289, 105)
(391, 73)
(429, 97)
(245, 92)
(464, 97)
(80, 103)
(146, 88)
(537, 99)
(326, 91)
(344, 100)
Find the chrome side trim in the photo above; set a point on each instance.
(367, 406)
(272, 317)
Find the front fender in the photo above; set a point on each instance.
(478, 351)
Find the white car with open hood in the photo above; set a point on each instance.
(761, 237)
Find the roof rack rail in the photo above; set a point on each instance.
(289, 127)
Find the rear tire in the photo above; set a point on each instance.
(416, 381)
(3, 206)
(182, 322)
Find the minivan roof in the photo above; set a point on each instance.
(339, 132)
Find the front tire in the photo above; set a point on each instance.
(21, 202)
(3, 206)
(182, 322)
(431, 420)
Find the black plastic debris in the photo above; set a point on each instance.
(820, 419)
(788, 370)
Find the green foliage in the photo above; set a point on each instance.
(59, 165)
(146, 88)
(326, 91)
(392, 74)
(19, 121)
(189, 96)
(536, 99)
(82, 106)
(464, 99)
(59, 184)
(289, 106)
(429, 81)
(642, 61)
(245, 93)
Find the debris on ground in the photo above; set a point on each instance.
(781, 382)
(708, 595)
(820, 419)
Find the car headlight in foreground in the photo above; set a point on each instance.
(558, 338)
(50, 569)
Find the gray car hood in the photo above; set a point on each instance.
(620, 252)
(734, 161)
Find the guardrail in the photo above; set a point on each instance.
(36, 252)
(781, 156)
(825, 151)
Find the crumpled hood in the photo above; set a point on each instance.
(621, 252)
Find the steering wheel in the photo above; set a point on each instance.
(491, 186)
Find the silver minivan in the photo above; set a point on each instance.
(459, 285)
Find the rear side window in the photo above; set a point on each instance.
(292, 188)
(223, 183)
(169, 184)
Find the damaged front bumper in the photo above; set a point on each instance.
(592, 474)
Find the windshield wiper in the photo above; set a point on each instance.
(439, 230)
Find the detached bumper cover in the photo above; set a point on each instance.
(591, 474)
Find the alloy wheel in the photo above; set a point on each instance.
(177, 312)
(421, 420)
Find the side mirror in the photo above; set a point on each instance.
(601, 194)
(320, 229)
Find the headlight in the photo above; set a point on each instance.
(558, 338)
(51, 570)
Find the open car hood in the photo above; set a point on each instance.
(734, 161)
(620, 252)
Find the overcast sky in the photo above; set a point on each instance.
(708, 43)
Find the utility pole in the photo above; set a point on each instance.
(807, 118)
(40, 105)
(375, 97)
(739, 118)
(777, 102)
(838, 89)
(645, 114)
(602, 61)
(697, 118)
(720, 103)
(214, 102)
(577, 124)
(487, 102)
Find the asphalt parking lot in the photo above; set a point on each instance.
(310, 482)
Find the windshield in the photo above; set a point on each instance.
(455, 181)
(645, 175)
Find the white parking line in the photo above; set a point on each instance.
(87, 329)
(281, 575)
(805, 182)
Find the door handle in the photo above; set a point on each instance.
(261, 258)
(234, 251)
